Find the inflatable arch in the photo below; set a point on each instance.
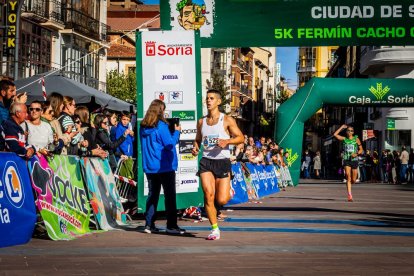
(292, 114)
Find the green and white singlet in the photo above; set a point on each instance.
(350, 147)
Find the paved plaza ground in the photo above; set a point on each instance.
(306, 230)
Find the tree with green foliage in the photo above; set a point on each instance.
(122, 86)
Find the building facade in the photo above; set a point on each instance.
(314, 62)
(124, 17)
(394, 125)
(66, 35)
(247, 75)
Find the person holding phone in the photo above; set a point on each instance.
(352, 148)
(159, 162)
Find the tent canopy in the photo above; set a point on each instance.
(68, 87)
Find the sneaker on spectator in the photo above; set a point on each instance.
(150, 230)
(175, 231)
(344, 180)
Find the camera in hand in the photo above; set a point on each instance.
(172, 122)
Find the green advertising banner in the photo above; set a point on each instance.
(61, 197)
(239, 23)
(292, 114)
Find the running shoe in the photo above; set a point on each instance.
(214, 235)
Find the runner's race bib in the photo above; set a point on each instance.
(349, 148)
(210, 141)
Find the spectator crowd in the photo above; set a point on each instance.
(59, 126)
(394, 167)
(264, 151)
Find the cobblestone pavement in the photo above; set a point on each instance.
(306, 230)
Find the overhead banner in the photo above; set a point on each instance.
(17, 209)
(105, 200)
(61, 196)
(244, 23)
(169, 70)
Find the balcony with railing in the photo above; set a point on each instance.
(305, 69)
(84, 24)
(47, 13)
(243, 66)
(374, 58)
(240, 89)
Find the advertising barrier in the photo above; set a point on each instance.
(66, 187)
(238, 185)
(254, 178)
(252, 181)
(104, 197)
(17, 209)
(272, 181)
(63, 201)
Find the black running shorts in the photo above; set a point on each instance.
(352, 164)
(220, 168)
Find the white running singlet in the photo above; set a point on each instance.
(210, 135)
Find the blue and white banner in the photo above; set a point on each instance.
(17, 207)
(238, 185)
(271, 179)
(254, 176)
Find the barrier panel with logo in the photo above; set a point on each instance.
(272, 181)
(17, 209)
(104, 197)
(62, 197)
(262, 180)
(238, 185)
(169, 69)
(251, 189)
(254, 178)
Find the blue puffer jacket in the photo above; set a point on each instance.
(158, 148)
(126, 148)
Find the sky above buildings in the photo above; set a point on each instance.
(287, 56)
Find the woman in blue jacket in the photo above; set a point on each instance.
(159, 161)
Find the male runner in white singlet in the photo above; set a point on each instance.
(215, 132)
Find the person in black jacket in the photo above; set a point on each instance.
(104, 141)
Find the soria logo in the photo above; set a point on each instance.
(291, 157)
(379, 92)
(152, 49)
(13, 184)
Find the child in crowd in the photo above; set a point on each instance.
(126, 148)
